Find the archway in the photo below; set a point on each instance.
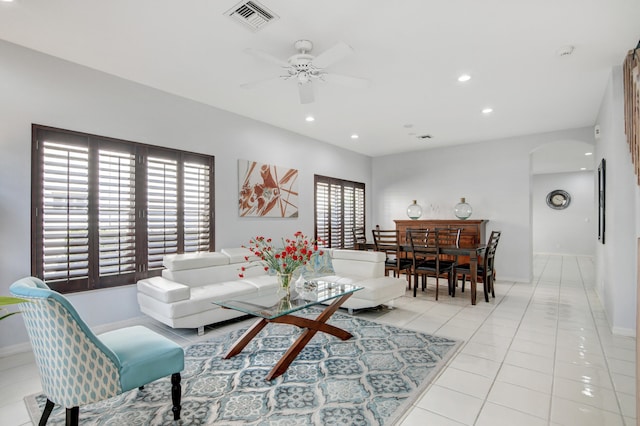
(570, 228)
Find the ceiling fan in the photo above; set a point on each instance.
(304, 68)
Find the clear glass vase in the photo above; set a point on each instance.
(462, 210)
(414, 211)
(284, 281)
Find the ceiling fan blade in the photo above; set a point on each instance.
(266, 57)
(306, 93)
(332, 55)
(253, 84)
(346, 80)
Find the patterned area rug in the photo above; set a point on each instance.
(370, 379)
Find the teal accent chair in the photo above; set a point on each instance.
(78, 367)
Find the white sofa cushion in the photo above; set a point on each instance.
(262, 283)
(214, 274)
(164, 290)
(179, 262)
(202, 297)
(239, 254)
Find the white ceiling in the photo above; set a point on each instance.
(411, 51)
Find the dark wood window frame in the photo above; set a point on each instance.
(104, 211)
(339, 207)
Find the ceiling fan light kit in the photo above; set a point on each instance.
(305, 68)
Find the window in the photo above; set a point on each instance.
(339, 208)
(105, 211)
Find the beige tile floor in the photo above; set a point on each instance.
(540, 353)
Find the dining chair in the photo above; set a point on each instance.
(448, 237)
(388, 241)
(78, 367)
(359, 236)
(427, 261)
(421, 248)
(486, 268)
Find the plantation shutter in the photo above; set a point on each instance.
(106, 211)
(358, 208)
(197, 206)
(349, 215)
(62, 210)
(336, 214)
(353, 211)
(117, 211)
(162, 209)
(339, 207)
(323, 228)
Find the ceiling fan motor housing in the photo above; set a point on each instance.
(303, 46)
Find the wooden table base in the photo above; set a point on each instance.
(311, 328)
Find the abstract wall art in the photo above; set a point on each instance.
(266, 190)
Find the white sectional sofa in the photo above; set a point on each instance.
(182, 296)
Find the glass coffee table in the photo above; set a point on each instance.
(314, 293)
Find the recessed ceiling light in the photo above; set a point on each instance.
(487, 110)
(464, 77)
(588, 153)
(354, 136)
(309, 118)
(7, 1)
(583, 168)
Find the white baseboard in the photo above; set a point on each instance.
(502, 278)
(18, 348)
(543, 253)
(623, 331)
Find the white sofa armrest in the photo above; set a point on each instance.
(164, 290)
(359, 255)
(367, 264)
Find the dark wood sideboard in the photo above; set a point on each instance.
(472, 234)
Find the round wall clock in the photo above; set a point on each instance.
(558, 199)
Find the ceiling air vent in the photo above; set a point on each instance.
(251, 14)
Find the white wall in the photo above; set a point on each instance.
(36, 88)
(572, 230)
(494, 177)
(616, 260)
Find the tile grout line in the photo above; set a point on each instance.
(555, 346)
(459, 351)
(605, 356)
(486, 398)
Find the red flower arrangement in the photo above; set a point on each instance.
(290, 256)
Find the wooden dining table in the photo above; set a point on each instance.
(473, 251)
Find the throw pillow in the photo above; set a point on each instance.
(318, 266)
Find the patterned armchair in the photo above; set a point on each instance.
(77, 367)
